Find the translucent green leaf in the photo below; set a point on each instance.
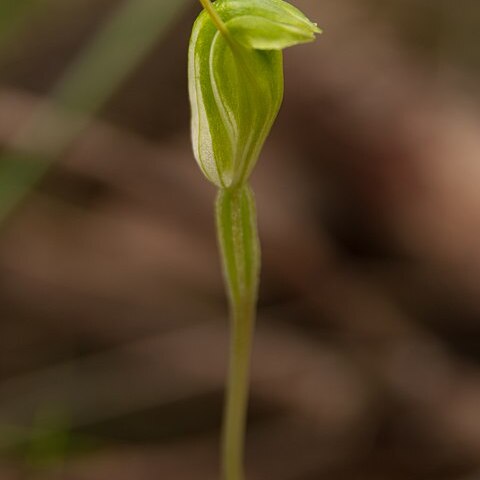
(238, 240)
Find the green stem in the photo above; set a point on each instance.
(237, 393)
(238, 238)
(217, 21)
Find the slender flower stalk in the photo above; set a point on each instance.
(238, 239)
(215, 17)
(236, 90)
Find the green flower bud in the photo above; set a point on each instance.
(236, 82)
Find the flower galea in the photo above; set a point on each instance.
(236, 82)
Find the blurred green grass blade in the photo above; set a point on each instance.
(115, 52)
(12, 12)
(18, 173)
(14, 15)
(119, 47)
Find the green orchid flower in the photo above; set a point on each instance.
(236, 81)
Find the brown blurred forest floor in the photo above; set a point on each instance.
(113, 331)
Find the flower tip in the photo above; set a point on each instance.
(316, 28)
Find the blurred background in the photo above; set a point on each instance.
(113, 325)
